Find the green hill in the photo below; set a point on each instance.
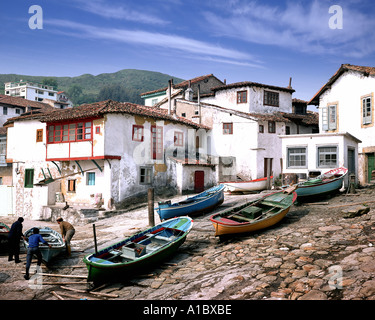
(124, 85)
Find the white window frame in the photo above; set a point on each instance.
(367, 110)
(294, 166)
(329, 117)
(328, 164)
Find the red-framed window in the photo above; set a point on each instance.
(137, 133)
(69, 132)
(241, 97)
(178, 139)
(228, 128)
(157, 142)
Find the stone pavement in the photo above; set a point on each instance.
(314, 253)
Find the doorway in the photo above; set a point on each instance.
(371, 167)
(198, 181)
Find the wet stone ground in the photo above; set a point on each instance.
(314, 253)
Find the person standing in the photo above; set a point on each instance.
(14, 238)
(32, 249)
(67, 231)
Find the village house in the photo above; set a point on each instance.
(346, 104)
(12, 107)
(205, 83)
(106, 154)
(246, 119)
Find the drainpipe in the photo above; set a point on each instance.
(169, 96)
(199, 103)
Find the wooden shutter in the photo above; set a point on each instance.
(332, 117)
(366, 110)
(324, 118)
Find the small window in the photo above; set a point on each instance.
(287, 130)
(97, 130)
(366, 110)
(5, 110)
(297, 157)
(327, 157)
(71, 185)
(137, 133)
(242, 97)
(90, 178)
(183, 114)
(271, 98)
(271, 127)
(154, 101)
(18, 111)
(178, 139)
(1, 181)
(39, 135)
(29, 178)
(228, 128)
(145, 175)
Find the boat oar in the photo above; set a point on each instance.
(95, 242)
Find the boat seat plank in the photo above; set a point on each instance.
(273, 204)
(242, 218)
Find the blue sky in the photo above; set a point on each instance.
(236, 40)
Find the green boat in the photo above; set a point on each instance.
(134, 255)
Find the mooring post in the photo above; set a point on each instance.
(150, 196)
(96, 245)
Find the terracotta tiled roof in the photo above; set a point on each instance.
(367, 71)
(23, 103)
(3, 131)
(310, 118)
(183, 84)
(99, 109)
(252, 84)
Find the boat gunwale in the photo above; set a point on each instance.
(247, 181)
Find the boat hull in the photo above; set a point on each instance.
(197, 205)
(224, 226)
(104, 271)
(4, 233)
(53, 238)
(246, 186)
(324, 187)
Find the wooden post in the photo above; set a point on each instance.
(268, 173)
(151, 218)
(95, 242)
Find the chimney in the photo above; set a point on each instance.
(169, 95)
(225, 81)
(189, 93)
(290, 82)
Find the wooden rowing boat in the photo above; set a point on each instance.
(255, 215)
(246, 186)
(4, 233)
(202, 202)
(53, 237)
(143, 250)
(326, 183)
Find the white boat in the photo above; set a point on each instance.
(53, 238)
(246, 186)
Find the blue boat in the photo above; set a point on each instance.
(324, 184)
(202, 202)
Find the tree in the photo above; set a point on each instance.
(50, 82)
(75, 92)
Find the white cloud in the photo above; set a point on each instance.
(298, 26)
(154, 39)
(112, 10)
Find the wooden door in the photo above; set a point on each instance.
(198, 181)
(371, 166)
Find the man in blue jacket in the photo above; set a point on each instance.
(32, 249)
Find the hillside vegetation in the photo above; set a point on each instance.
(124, 85)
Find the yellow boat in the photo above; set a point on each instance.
(256, 215)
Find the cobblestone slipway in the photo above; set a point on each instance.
(313, 254)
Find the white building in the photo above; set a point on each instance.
(309, 155)
(346, 104)
(206, 82)
(246, 120)
(105, 153)
(30, 91)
